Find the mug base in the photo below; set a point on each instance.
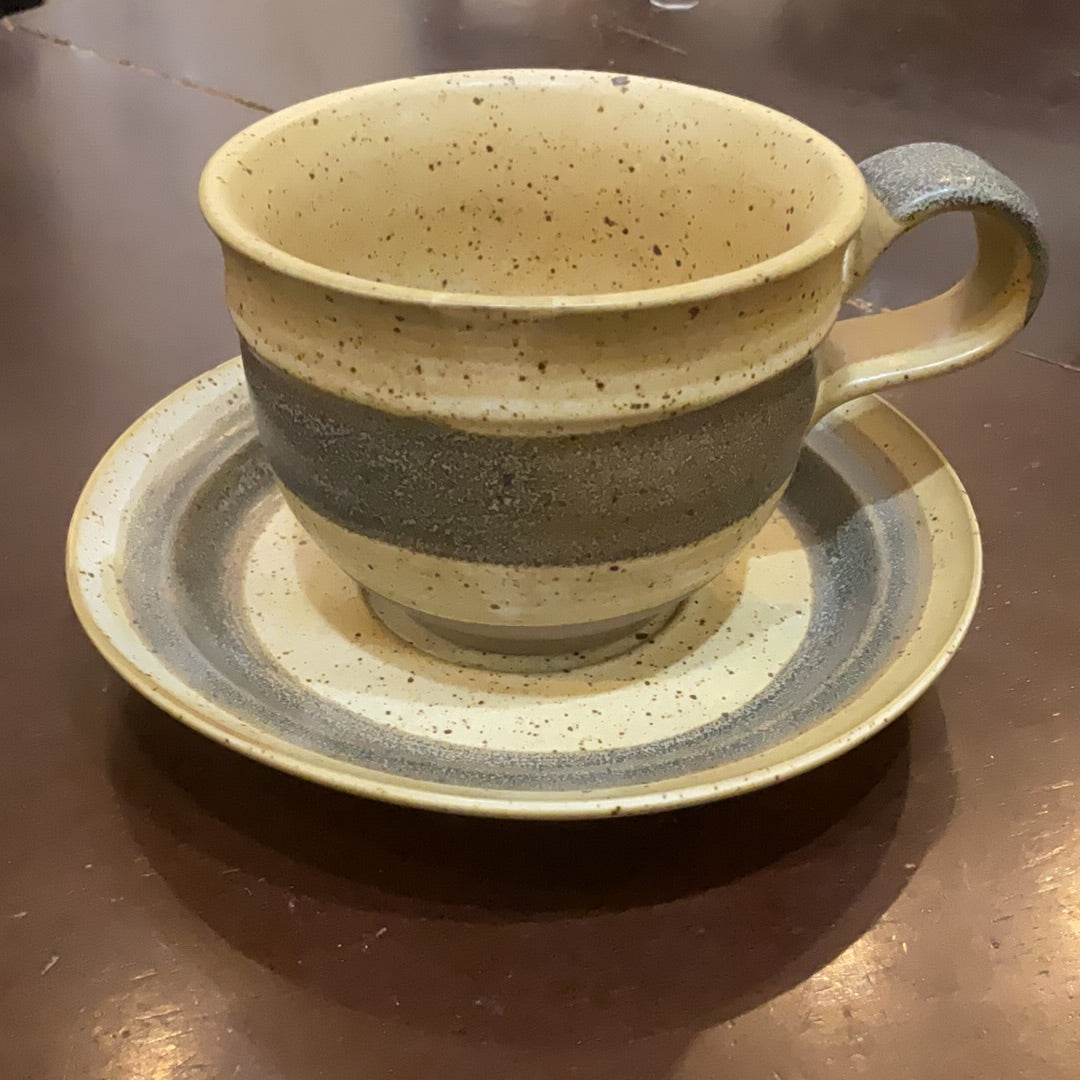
(524, 649)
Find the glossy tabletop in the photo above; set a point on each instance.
(171, 911)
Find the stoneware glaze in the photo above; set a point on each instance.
(533, 353)
(193, 578)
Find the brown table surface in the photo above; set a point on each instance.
(170, 911)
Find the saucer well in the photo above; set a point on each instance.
(195, 582)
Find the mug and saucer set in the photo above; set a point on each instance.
(547, 483)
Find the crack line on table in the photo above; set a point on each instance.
(176, 80)
(866, 307)
(1065, 365)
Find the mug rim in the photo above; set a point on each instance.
(839, 227)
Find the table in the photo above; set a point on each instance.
(170, 911)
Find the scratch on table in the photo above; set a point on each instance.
(629, 31)
(50, 964)
(866, 307)
(176, 80)
(1063, 364)
(1037, 860)
(166, 1035)
(157, 1014)
(964, 875)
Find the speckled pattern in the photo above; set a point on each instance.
(536, 257)
(532, 252)
(557, 501)
(533, 183)
(196, 582)
(573, 598)
(920, 180)
(532, 319)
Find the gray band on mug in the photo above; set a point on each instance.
(541, 501)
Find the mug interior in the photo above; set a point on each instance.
(537, 183)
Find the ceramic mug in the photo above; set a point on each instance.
(533, 353)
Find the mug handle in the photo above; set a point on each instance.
(907, 185)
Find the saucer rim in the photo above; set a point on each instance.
(186, 704)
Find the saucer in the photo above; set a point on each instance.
(193, 579)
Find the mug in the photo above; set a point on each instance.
(533, 353)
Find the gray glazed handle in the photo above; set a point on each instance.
(907, 185)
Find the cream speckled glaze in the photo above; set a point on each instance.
(533, 353)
